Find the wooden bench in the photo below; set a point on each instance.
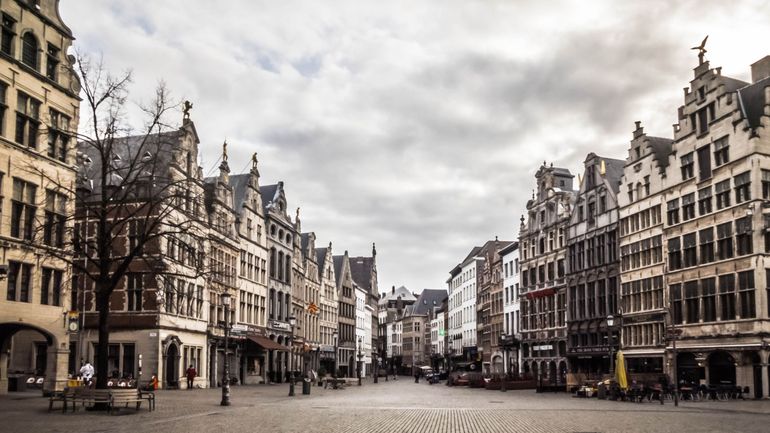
(123, 397)
(87, 396)
(62, 397)
(150, 397)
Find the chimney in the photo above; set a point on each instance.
(760, 69)
(393, 290)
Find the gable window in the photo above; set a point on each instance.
(721, 151)
(704, 162)
(723, 194)
(706, 245)
(725, 240)
(58, 137)
(52, 62)
(29, 48)
(704, 200)
(742, 187)
(673, 211)
(23, 209)
(688, 206)
(8, 33)
(27, 120)
(688, 166)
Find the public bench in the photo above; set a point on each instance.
(88, 396)
(62, 397)
(123, 397)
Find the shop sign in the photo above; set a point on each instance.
(239, 329)
(543, 347)
(280, 325)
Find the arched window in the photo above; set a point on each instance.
(272, 303)
(272, 262)
(287, 276)
(280, 266)
(29, 50)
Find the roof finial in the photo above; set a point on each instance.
(224, 151)
(297, 218)
(254, 161)
(374, 250)
(701, 50)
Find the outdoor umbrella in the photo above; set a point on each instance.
(620, 371)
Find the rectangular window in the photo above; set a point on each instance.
(706, 245)
(688, 206)
(55, 219)
(743, 236)
(723, 194)
(688, 166)
(721, 151)
(766, 184)
(135, 236)
(725, 240)
(50, 287)
(52, 62)
(58, 135)
(674, 254)
(8, 34)
(690, 250)
(676, 301)
(709, 292)
(673, 212)
(746, 294)
(692, 301)
(704, 162)
(134, 288)
(19, 277)
(23, 209)
(704, 200)
(727, 297)
(742, 187)
(3, 106)
(27, 120)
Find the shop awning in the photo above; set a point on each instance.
(267, 343)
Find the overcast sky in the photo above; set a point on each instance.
(417, 125)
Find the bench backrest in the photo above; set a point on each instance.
(119, 395)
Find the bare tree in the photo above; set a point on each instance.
(137, 195)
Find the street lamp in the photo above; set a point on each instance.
(335, 336)
(504, 344)
(360, 357)
(226, 373)
(375, 365)
(292, 322)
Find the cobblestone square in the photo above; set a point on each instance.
(394, 406)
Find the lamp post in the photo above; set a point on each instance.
(360, 357)
(504, 345)
(610, 327)
(292, 322)
(335, 337)
(375, 365)
(226, 373)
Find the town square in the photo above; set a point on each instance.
(417, 216)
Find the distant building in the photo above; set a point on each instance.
(510, 255)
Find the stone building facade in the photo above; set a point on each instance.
(38, 81)
(593, 271)
(543, 286)
(511, 307)
(489, 306)
(346, 318)
(462, 287)
(329, 310)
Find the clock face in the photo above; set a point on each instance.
(73, 326)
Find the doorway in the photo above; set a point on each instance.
(172, 369)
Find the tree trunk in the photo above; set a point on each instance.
(102, 350)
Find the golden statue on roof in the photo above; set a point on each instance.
(701, 50)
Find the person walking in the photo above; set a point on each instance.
(87, 372)
(191, 373)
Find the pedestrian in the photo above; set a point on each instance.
(191, 373)
(87, 372)
(416, 376)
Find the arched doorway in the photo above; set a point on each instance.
(687, 369)
(497, 364)
(28, 352)
(171, 373)
(721, 368)
(753, 360)
(562, 372)
(552, 376)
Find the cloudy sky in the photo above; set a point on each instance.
(417, 125)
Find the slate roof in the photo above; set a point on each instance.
(614, 171)
(239, 183)
(361, 270)
(429, 299)
(511, 247)
(661, 149)
(338, 260)
(320, 255)
(268, 194)
(752, 99)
